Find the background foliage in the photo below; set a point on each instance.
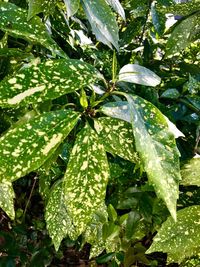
(99, 124)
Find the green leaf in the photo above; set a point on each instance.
(158, 19)
(56, 216)
(72, 7)
(190, 172)
(102, 21)
(183, 34)
(37, 6)
(85, 179)
(181, 239)
(112, 214)
(117, 137)
(134, 73)
(6, 199)
(115, 4)
(13, 20)
(183, 9)
(155, 143)
(48, 80)
(25, 148)
(171, 93)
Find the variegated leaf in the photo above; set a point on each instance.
(155, 144)
(56, 216)
(179, 240)
(13, 20)
(190, 172)
(117, 137)
(25, 148)
(6, 198)
(47, 80)
(86, 178)
(72, 6)
(37, 6)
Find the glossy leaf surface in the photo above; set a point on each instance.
(13, 20)
(181, 239)
(85, 179)
(72, 6)
(48, 80)
(37, 6)
(26, 147)
(7, 198)
(116, 5)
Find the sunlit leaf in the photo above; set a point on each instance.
(102, 21)
(115, 4)
(56, 216)
(37, 6)
(72, 6)
(6, 198)
(85, 179)
(117, 137)
(134, 73)
(155, 144)
(190, 172)
(13, 20)
(179, 240)
(26, 147)
(44, 81)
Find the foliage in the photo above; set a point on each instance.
(99, 109)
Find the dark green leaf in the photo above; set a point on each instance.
(6, 198)
(85, 179)
(26, 147)
(181, 239)
(171, 93)
(13, 20)
(37, 6)
(47, 80)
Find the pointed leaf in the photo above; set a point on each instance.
(6, 199)
(37, 6)
(155, 143)
(56, 216)
(25, 148)
(190, 172)
(102, 21)
(86, 178)
(13, 20)
(134, 73)
(117, 137)
(183, 35)
(115, 4)
(72, 6)
(181, 239)
(48, 80)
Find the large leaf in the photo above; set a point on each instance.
(102, 21)
(181, 239)
(26, 147)
(134, 73)
(37, 6)
(85, 179)
(190, 172)
(13, 20)
(6, 198)
(155, 142)
(56, 216)
(183, 34)
(117, 137)
(72, 6)
(115, 4)
(47, 80)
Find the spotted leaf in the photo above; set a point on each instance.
(190, 172)
(13, 20)
(86, 178)
(25, 148)
(117, 137)
(179, 240)
(102, 21)
(47, 80)
(115, 4)
(56, 215)
(37, 6)
(155, 143)
(6, 199)
(72, 6)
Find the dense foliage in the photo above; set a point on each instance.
(100, 130)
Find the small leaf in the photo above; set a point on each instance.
(102, 21)
(171, 93)
(25, 148)
(6, 199)
(190, 172)
(83, 99)
(117, 137)
(115, 4)
(48, 80)
(134, 73)
(56, 216)
(37, 6)
(72, 7)
(181, 239)
(112, 214)
(13, 20)
(85, 179)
